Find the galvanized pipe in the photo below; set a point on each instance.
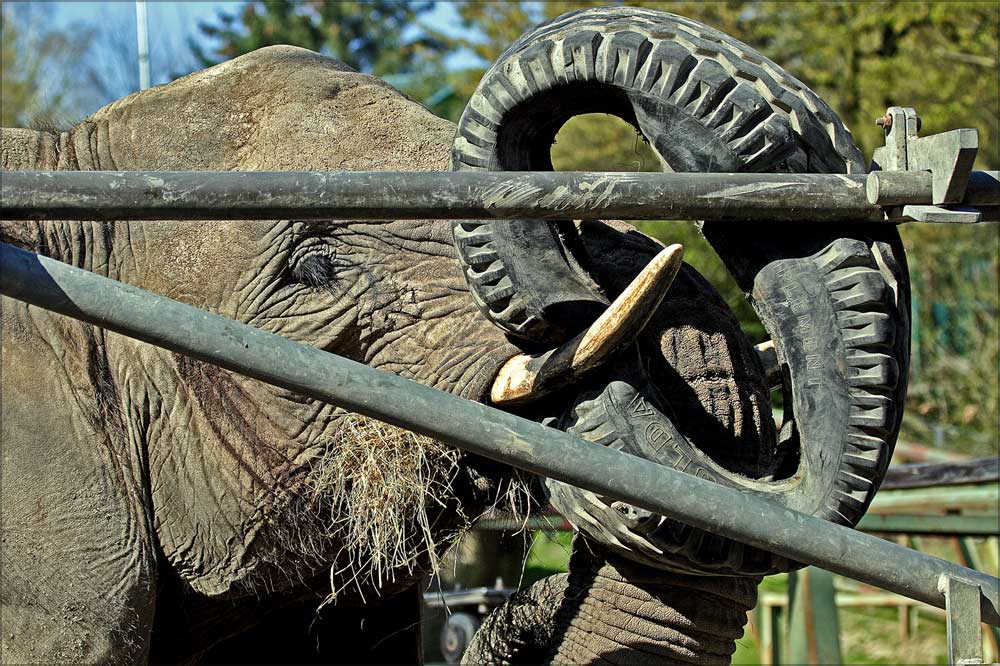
(900, 188)
(361, 195)
(475, 427)
(385, 195)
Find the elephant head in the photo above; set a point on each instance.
(136, 479)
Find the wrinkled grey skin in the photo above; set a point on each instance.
(123, 463)
(151, 503)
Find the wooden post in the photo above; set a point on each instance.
(813, 626)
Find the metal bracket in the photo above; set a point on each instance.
(938, 214)
(948, 156)
(962, 606)
(900, 125)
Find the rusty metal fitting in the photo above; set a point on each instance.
(885, 122)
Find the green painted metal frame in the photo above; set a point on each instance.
(946, 525)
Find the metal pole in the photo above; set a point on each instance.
(360, 195)
(388, 195)
(898, 188)
(474, 427)
(142, 36)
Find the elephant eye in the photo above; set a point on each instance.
(317, 266)
(314, 271)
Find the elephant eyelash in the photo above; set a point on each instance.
(315, 265)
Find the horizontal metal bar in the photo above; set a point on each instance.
(475, 596)
(898, 188)
(504, 524)
(954, 525)
(314, 195)
(357, 195)
(475, 427)
(983, 496)
(944, 524)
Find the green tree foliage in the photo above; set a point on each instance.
(380, 37)
(36, 87)
(860, 57)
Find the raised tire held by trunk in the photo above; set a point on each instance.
(834, 297)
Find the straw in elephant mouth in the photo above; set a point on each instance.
(386, 493)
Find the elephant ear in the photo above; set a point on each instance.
(835, 298)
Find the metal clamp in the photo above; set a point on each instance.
(962, 605)
(948, 157)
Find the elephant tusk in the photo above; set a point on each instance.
(528, 377)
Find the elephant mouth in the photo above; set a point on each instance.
(526, 378)
(482, 375)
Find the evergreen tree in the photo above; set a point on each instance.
(380, 37)
(36, 61)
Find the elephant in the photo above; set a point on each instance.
(160, 509)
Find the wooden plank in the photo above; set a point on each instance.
(959, 525)
(814, 630)
(924, 475)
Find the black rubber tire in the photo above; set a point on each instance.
(835, 298)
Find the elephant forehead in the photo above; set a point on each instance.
(363, 125)
(199, 262)
(278, 108)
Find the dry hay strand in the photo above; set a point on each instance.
(379, 505)
(380, 486)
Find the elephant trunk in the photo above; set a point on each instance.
(621, 612)
(609, 610)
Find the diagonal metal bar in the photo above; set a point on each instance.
(475, 427)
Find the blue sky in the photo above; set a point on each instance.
(110, 69)
(171, 23)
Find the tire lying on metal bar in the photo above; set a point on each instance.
(835, 298)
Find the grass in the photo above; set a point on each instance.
(549, 555)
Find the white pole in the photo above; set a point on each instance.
(141, 29)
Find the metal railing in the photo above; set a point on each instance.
(968, 595)
(366, 195)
